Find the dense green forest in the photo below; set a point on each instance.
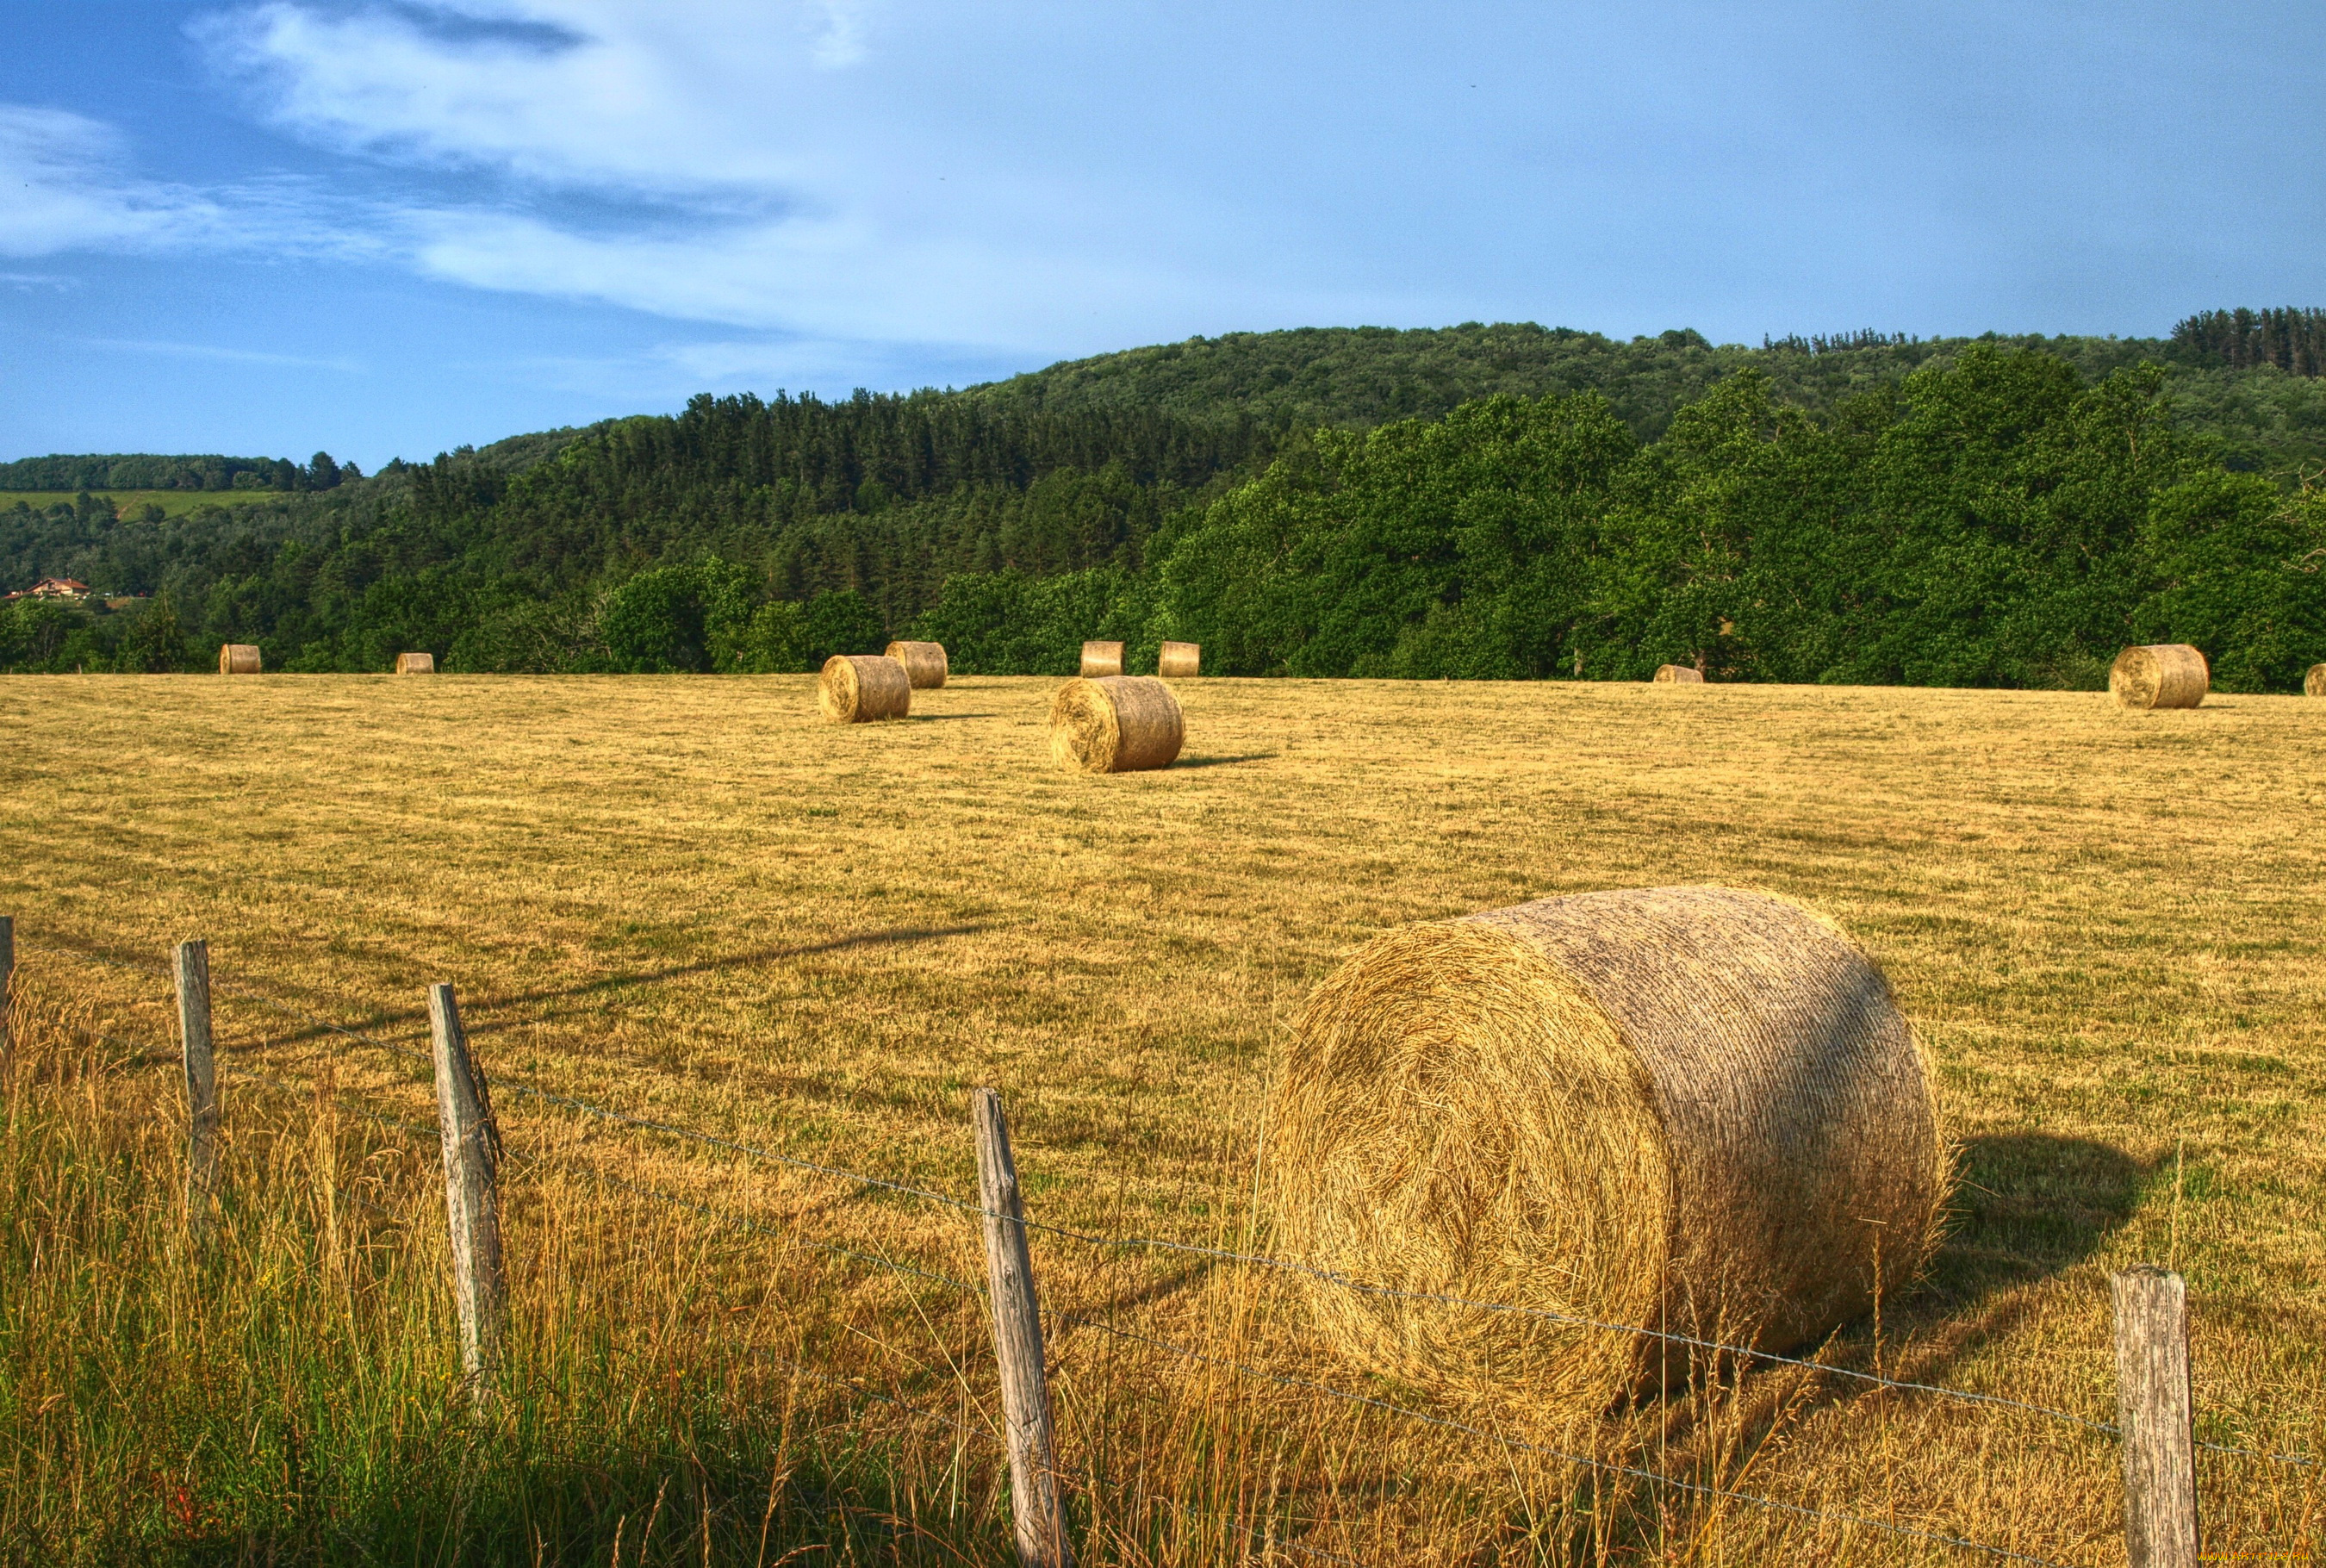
(1486, 502)
(137, 472)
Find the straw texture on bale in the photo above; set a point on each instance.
(1678, 674)
(1691, 1110)
(1117, 723)
(2164, 674)
(1179, 660)
(239, 658)
(2313, 684)
(1102, 659)
(858, 687)
(924, 663)
(415, 664)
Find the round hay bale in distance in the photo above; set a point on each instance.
(1679, 675)
(415, 664)
(1179, 660)
(1117, 723)
(924, 663)
(1102, 659)
(856, 688)
(1690, 1111)
(2313, 684)
(239, 658)
(2164, 674)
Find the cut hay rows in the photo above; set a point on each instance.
(858, 688)
(239, 658)
(924, 663)
(1123, 723)
(1678, 674)
(1179, 660)
(1694, 1109)
(2165, 674)
(415, 664)
(1102, 659)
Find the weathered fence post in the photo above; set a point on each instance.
(472, 1147)
(2155, 1411)
(7, 987)
(192, 968)
(1017, 1345)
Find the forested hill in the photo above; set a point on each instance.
(750, 533)
(2274, 420)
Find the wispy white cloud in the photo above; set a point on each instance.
(222, 355)
(758, 164)
(839, 28)
(64, 186)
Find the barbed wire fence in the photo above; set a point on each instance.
(2160, 1477)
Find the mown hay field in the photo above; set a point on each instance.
(691, 899)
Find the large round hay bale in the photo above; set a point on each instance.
(858, 687)
(1689, 1110)
(239, 658)
(1100, 658)
(1679, 675)
(924, 663)
(1179, 660)
(2313, 684)
(1117, 723)
(2164, 674)
(415, 664)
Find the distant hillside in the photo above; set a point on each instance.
(875, 506)
(2226, 385)
(147, 471)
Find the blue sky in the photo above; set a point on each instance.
(389, 227)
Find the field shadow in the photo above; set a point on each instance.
(893, 936)
(1223, 762)
(935, 718)
(2025, 1207)
(479, 1012)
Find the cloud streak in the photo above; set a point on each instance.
(63, 186)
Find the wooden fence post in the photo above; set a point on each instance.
(7, 988)
(1017, 1345)
(192, 968)
(472, 1147)
(2155, 1411)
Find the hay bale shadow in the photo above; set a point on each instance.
(1227, 761)
(2026, 1206)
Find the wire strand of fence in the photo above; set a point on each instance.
(852, 1387)
(1521, 1446)
(1250, 1532)
(423, 1129)
(1257, 1260)
(746, 1224)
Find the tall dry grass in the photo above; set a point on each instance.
(689, 899)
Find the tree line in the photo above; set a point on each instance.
(136, 472)
(1861, 508)
(2291, 341)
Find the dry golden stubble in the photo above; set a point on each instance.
(1692, 1109)
(856, 688)
(239, 658)
(924, 663)
(2164, 674)
(1121, 723)
(1678, 674)
(1102, 659)
(1179, 660)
